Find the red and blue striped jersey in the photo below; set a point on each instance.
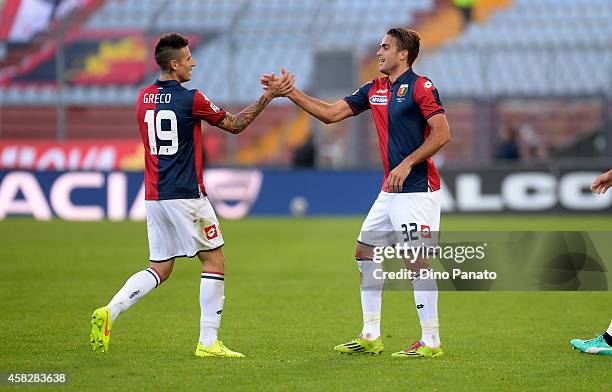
(169, 117)
(400, 112)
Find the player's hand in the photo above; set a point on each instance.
(278, 86)
(265, 79)
(397, 176)
(602, 183)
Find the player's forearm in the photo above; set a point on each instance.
(239, 122)
(434, 143)
(323, 111)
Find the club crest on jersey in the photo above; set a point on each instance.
(403, 89)
(380, 100)
(211, 232)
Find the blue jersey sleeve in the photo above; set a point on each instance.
(359, 100)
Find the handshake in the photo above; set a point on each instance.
(275, 86)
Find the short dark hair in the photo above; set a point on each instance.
(167, 49)
(408, 40)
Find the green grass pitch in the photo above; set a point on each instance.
(291, 295)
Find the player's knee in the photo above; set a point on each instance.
(363, 252)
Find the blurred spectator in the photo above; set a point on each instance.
(305, 156)
(465, 7)
(542, 152)
(508, 148)
(332, 147)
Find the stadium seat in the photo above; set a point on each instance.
(537, 37)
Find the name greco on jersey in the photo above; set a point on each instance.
(156, 98)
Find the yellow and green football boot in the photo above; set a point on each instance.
(101, 325)
(360, 345)
(419, 350)
(217, 349)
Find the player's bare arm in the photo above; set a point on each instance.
(239, 122)
(602, 182)
(323, 111)
(438, 137)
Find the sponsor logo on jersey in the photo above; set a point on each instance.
(382, 91)
(211, 232)
(378, 100)
(403, 89)
(425, 231)
(428, 84)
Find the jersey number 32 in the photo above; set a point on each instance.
(154, 128)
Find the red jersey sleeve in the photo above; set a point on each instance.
(204, 109)
(427, 97)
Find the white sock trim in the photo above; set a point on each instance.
(213, 275)
(155, 276)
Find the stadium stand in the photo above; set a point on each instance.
(533, 47)
(271, 34)
(530, 35)
(558, 51)
(249, 38)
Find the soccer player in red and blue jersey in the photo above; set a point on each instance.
(180, 220)
(411, 127)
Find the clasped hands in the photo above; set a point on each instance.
(278, 86)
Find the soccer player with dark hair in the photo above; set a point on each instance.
(180, 220)
(411, 127)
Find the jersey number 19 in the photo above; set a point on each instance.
(155, 131)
